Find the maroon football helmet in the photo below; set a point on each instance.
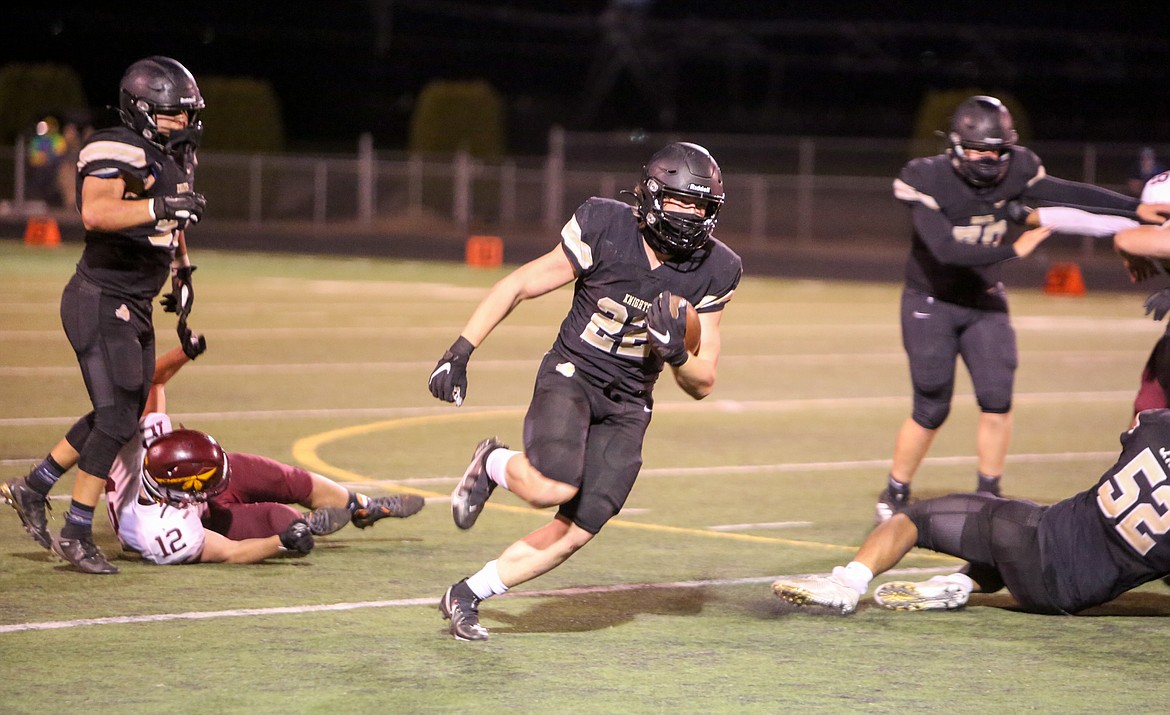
(184, 467)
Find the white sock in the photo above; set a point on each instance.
(486, 582)
(497, 465)
(961, 579)
(855, 575)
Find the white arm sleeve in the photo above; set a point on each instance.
(1063, 219)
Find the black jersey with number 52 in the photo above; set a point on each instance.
(1113, 537)
(604, 334)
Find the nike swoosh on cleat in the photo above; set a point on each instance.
(660, 337)
(920, 315)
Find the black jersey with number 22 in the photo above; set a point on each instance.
(605, 333)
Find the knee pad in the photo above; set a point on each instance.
(113, 427)
(79, 433)
(930, 413)
(994, 393)
(119, 421)
(996, 404)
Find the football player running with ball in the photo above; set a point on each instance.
(953, 303)
(593, 395)
(135, 193)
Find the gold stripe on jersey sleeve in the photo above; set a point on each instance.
(1040, 174)
(906, 192)
(571, 236)
(709, 300)
(117, 151)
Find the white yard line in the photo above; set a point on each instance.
(430, 601)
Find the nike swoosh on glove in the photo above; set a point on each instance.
(668, 329)
(448, 380)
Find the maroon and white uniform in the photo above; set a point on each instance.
(161, 534)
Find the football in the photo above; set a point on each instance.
(694, 336)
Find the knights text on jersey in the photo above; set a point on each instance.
(134, 262)
(604, 333)
(1113, 537)
(976, 224)
(160, 534)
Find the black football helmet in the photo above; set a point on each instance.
(159, 85)
(688, 172)
(984, 124)
(184, 467)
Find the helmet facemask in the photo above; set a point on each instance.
(685, 172)
(982, 124)
(160, 86)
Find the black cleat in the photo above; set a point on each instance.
(475, 487)
(327, 520)
(84, 555)
(461, 606)
(31, 507)
(399, 506)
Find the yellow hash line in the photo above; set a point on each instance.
(305, 451)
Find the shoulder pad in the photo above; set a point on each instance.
(117, 148)
(1157, 189)
(921, 180)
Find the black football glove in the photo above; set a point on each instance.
(1158, 304)
(193, 344)
(185, 208)
(182, 295)
(449, 379)
(668, 331)
(297, 537)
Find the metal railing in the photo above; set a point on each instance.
(811, 190)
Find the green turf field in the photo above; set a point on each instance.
(323, 362)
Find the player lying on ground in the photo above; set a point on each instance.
(193, 502)
(1058, 559)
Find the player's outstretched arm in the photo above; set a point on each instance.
(1144, 250)
(295, 541)
(1148, 241)
(533, 279)
(217, 548)
(448, 381)
(1029, 240)
(1155, 213)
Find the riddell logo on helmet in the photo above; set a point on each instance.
(699, 187)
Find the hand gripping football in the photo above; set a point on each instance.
(694, 336)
